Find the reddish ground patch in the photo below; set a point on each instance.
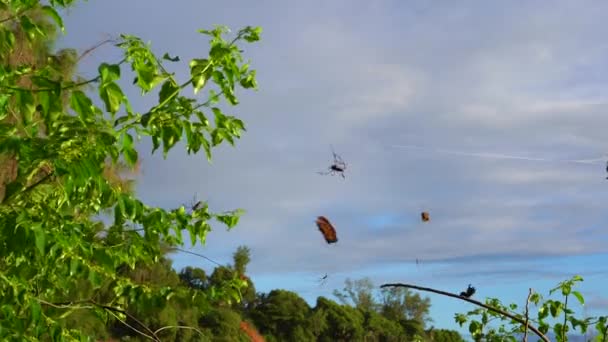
(253, 334)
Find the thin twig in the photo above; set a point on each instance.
(179, 327)
(110, 308)
(94, 47)
(132, 328)
(199, 255)
(527, 316)
(472, 301)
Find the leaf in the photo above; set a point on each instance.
(26, 105)
(29, 27)
(121, 120)
(109, 73)
(131, 156)
(40, 238)
(81, 104)
(579, 296)
(112, 96)
(53, 14)
(169, 89)
(36, 311)
(94, 278)
(232, 219)
(199, 71)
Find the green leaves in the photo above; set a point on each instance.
(559, 313)
(231, 219)
(40, 238)
(128, 149)
(56, 248)
(82, 105)
(50, 11)
(109, 91)
(199, 71)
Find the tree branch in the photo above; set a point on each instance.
(91, 49)
(472, 301)
(527, 316)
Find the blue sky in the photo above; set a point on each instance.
(468, 83)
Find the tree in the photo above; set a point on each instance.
(380, 328)
(50, 245)
(445, 335)
(241, 259)
(343, 322)
(284, 316)
(401, 305)
(359, 293)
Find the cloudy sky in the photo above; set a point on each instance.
(489, 116)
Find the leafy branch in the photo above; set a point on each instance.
(472, 301)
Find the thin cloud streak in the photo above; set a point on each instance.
(502, 156)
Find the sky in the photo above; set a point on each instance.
(488, 115)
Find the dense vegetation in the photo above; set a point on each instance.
(66, 162)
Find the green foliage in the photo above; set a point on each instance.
(445, 335)
(552, 315)
(284, 315)
(344, 323)
(358, 293)
(56, 260)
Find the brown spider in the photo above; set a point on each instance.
(338, 167)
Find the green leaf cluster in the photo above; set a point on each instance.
(58, 261)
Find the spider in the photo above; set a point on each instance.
(469, 292)
(323, 280)
(339, 166)
(194, 205)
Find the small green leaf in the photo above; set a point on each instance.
(112, 96)
(53, 14)
(94, 278)
(130, 156)
(109, 73)
(27, 106)
(579, 296)
(40, 237)
(169, 89)
(81, 104)
(36, 310)
(199, 71)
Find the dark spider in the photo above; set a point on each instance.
(323, 280)
(469, 292)
(194, 205)
(606, 168)
(339, 166)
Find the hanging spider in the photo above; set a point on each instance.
(338, 167)
(606, 169)
(468, 293)
(323, 280)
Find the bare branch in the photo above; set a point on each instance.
(472, 301)
(94, 47)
